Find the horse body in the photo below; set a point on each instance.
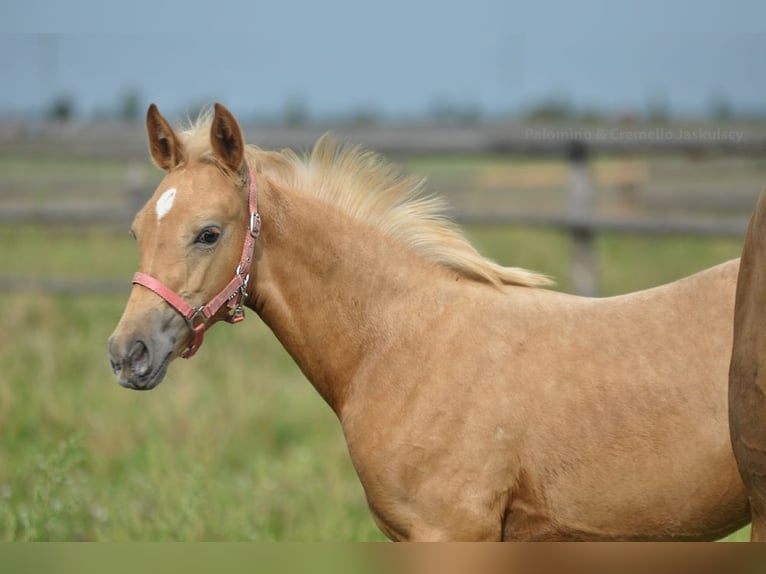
(474, 409)
(512, 412)
(747, 385)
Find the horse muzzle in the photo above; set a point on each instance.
(140, 357)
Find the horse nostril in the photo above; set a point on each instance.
(115, 366)
(139, 358)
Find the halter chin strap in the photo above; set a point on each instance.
(233, 295)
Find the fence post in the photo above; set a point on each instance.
(584, 266)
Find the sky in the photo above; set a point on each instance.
(399, 58)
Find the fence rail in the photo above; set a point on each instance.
(128, 141)
(581, 220)
(65, 215)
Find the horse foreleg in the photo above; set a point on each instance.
(756, 482)
(748, 435)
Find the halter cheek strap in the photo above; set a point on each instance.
(233, 295)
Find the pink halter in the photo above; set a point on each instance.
(233, 295)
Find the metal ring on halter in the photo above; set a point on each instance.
(197, 320)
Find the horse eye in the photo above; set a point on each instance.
(208, 236)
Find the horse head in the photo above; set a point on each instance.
(193, 268)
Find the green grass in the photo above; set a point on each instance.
(68, 252)
(235, 444)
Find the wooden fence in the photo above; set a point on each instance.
(128, 141)
(580, 221)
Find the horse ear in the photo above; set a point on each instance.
(226, 139)
(166, 149)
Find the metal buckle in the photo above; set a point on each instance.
(236, 315)
(236, 311)
(197, 321)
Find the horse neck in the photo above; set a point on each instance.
(332, 289)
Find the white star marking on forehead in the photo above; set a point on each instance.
(165, 203)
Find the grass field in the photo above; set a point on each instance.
(235, 444)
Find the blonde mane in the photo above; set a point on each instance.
(373, 190)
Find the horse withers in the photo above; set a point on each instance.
(476, 404)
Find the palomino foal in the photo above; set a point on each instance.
(476, 406)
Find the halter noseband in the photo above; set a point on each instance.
(233, 295)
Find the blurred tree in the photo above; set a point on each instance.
(61, 109)
(443, 110)
(364, 116)
(556, 108)
(469, 113)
